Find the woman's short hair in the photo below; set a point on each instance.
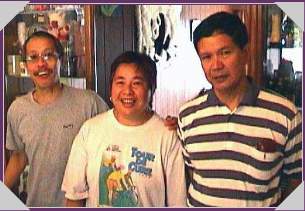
(143, 62)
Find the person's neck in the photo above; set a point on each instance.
(232, 98)
(134, 120)
(45, 96)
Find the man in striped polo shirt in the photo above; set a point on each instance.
(242, 145)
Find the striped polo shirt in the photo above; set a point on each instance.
(240, 158)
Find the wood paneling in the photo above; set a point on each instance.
(254, 22)
(89, 46)
(114, 35)
(200, 12)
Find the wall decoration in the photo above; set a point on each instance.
(156, 29)
(111, 10)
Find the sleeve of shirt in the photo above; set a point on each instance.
(101, 105)
(180, 133)
(293, 149)
(98, 105)
(175, 173)
(13, 140)
(74, 183)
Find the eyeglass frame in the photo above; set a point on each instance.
(45, 57)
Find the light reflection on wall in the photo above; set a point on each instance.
(296, 56)
(182, 79)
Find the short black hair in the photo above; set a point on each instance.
(222, 22)
(143, 62)
(43, 34)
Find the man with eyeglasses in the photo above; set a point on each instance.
(42, 124)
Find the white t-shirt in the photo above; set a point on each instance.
(116, 165)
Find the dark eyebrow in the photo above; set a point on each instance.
(44, 51)
(118, 78)
(139, 78)
(32, 52)
(204, 54)
(48, 50)
(230, 47)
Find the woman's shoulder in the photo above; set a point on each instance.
(156, 120)
(101, 118)
(157, 124)
(167, 137)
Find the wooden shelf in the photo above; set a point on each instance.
(275, 45)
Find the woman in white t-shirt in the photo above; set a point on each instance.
(126, 157)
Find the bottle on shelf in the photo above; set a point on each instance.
(69, 59)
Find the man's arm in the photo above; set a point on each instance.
(293, 157)
(15, 167)
(75, 203)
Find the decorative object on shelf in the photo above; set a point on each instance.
(288, 32)
(111, 10)
(23, 70)
(22, 32)
(44, 9)
(36, 27)
(74, 82)
(13, 65)
(41, 7)
(298, 37)
(16, 66)
(41, 19)
(285, 79)
(28, 8)
(61, 7)
(70, 59)
(58, 26)
(286, 70)
(276, 28)
(157, 25)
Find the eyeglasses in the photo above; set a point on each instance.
(48, 56)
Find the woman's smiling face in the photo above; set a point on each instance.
(130, 94)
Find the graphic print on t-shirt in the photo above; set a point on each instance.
(140, 162)
(116, 187)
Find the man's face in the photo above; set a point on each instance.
(223, 62)
(42, 62)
